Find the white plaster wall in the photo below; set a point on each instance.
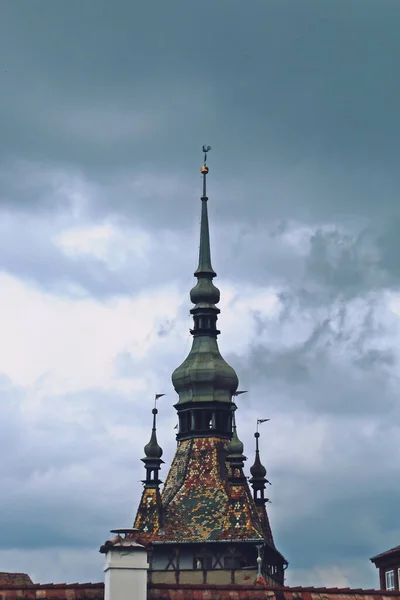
(126, 575)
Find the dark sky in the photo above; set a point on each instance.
(104, 107)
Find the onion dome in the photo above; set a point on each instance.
(257, 470)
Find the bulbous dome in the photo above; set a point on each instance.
(235, 446)
(205, 291)
(204, 376)
(257, 470)
(152, 449)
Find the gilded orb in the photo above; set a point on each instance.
(204, 169)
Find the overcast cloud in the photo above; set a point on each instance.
(104, 107)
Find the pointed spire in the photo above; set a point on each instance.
(204, 376)
(205, 292)
(153, 453)
(258, 476)
(205, 268)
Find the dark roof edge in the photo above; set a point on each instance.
(394, 550)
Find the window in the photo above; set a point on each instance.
(184, 422)
(389, 575)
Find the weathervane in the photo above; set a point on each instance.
(206, 149)
(261, 421)
(204, 170)
(157, 396)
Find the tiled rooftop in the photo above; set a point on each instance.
(199, 503)
(53, 591)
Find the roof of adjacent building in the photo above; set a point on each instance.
(386, 553)
(15, 579)
(255, 592)
(52, 591)
(95, 591)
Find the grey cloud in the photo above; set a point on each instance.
(330, 371)
(59, 489)
(287, 91)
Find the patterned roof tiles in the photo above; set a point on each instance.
(148, 518)
(199, 503)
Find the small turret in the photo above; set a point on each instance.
(152, 459)
(235, 456)
(258, 476)
(149, 516)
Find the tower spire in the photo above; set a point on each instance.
(204, 378)
(205, 268)
(205, 292)
(207, 517)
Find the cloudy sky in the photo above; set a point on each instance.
(104, 107)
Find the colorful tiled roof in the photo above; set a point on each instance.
(148, 518)
(198, 501)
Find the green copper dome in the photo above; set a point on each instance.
(204, 375)
(235, 446)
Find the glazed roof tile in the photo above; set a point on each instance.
(199, 503)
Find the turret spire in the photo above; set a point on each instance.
(153, 453)
(149, 516)
(258, 473)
